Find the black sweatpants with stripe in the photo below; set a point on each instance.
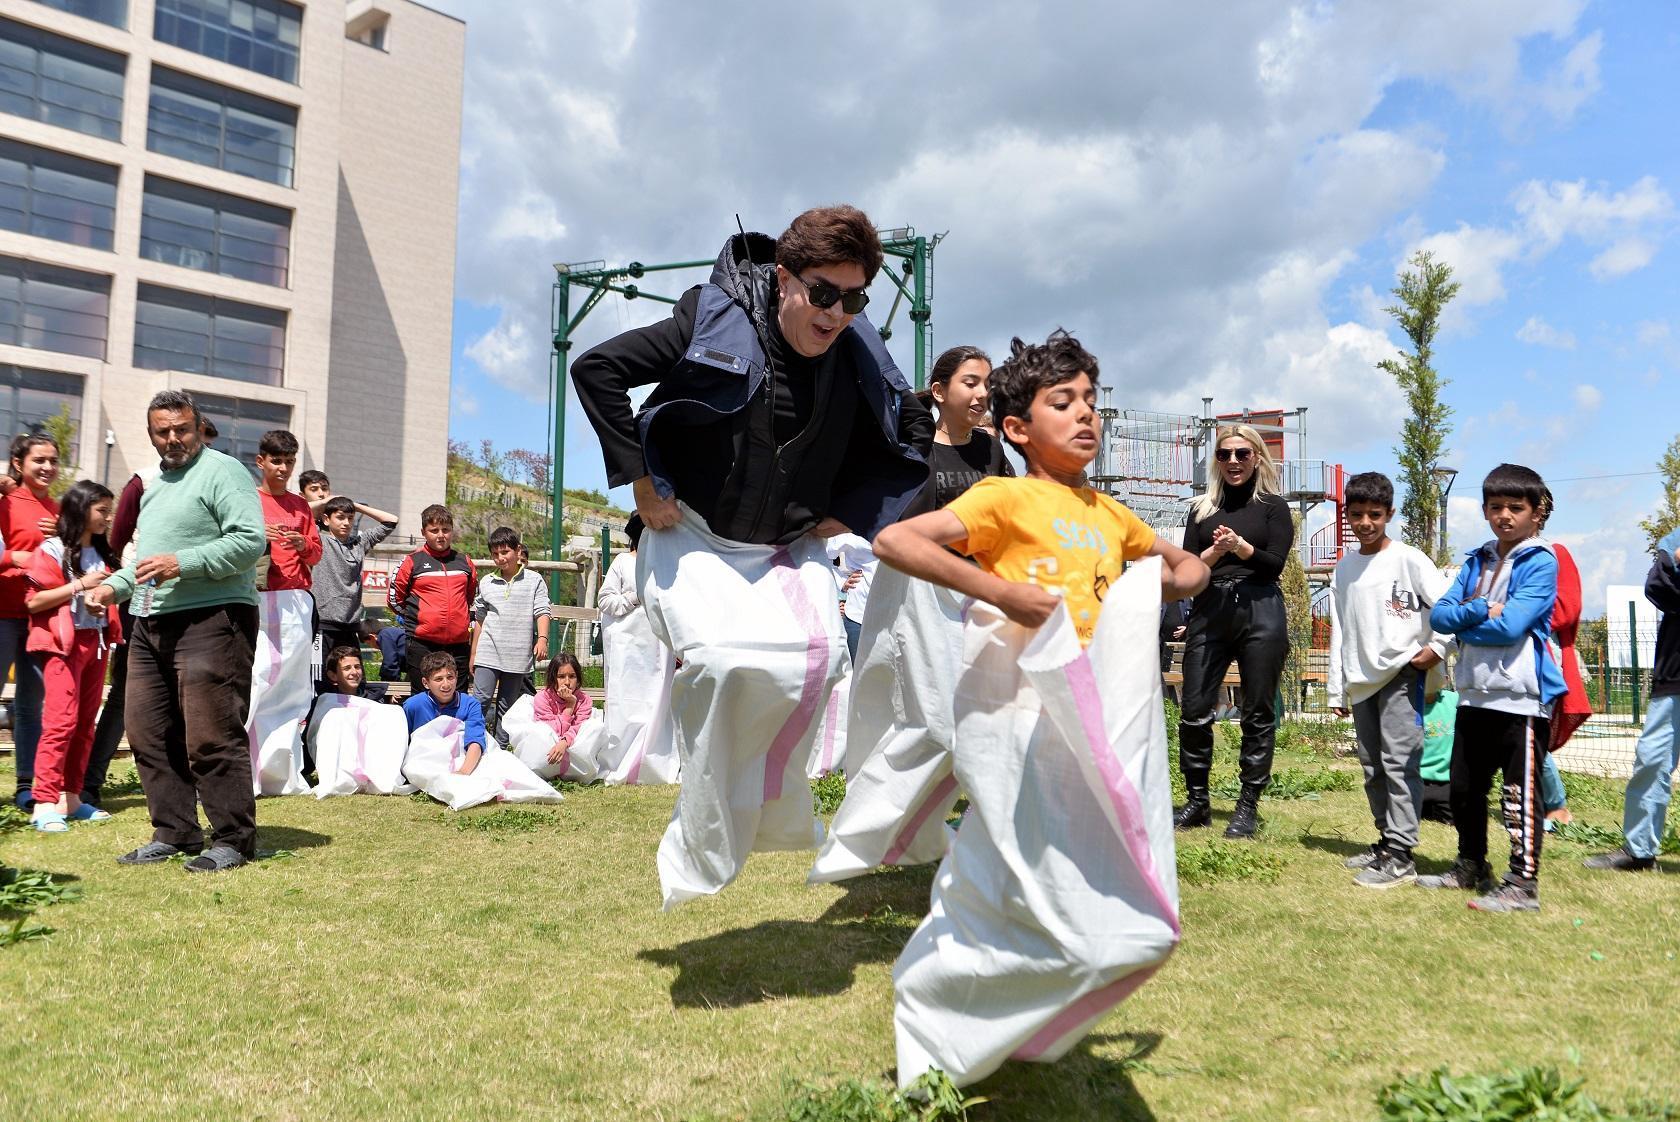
(1486, 741)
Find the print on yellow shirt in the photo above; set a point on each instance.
(1057, 537)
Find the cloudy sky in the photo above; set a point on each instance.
(1214, 197)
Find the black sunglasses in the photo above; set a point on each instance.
(823, 295)
(1240, 455)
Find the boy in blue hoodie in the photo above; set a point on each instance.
(1500, 609)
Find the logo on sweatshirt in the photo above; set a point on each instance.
(1403, 603)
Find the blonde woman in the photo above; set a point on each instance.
(1243, 530)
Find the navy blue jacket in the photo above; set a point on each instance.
(711, 368)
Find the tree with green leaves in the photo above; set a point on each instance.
(62, 428)
(1425, 288)
(1667, 517)
(1297, 604)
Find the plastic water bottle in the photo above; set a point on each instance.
(140, 604)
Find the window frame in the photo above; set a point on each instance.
(43, 43)
(32, 219)
(198, 29)
(230, 422)
(221, 206)
(226, 100)
(34, 335)
(212, 361)
(87, 9)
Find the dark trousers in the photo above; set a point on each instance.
(107, 735)
(1245, 623)
(418, 649)
(189, 692)
(497, 691)
(1486, 741)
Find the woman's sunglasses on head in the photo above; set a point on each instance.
(824, 295)
(1226, 455)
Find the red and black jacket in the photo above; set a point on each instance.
(432, 596)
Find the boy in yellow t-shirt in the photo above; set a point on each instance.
(1046, 532)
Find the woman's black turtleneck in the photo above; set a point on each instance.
(1263, 521)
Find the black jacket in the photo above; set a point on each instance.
(1662, 588)
(762, 442)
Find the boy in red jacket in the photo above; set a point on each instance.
(432, 593)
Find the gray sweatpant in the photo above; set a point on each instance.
(496, 691)
(1389, 726)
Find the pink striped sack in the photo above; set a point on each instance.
(899, 780)
(531, 741)
(1059, 896)
(758, 633)
(358, 746)
(282, 688)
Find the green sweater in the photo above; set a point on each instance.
(208, 515)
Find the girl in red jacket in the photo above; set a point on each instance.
(69, 641)
(28, 515)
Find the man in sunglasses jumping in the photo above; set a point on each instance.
(775, 421)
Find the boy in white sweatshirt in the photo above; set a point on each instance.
(1381, 651)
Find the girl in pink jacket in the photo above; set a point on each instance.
(562, 705)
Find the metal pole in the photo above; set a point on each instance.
(557, 473)
(606, 551)
(1633, 654)
(920, 313)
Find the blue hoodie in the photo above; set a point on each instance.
(1505, 663)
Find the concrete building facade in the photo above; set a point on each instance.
(251, 200)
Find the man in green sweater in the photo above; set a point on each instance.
(193, 595)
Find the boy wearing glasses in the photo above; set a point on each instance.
(775, 421)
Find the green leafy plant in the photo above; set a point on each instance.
(18, 933)
(123, 781)
(502, 820)
(1326, 739)
(24, 890)
(1223, 861)
(1294, 783)
(1529, 1094)
(1602, 837)
(827, 793)
(932, 1098)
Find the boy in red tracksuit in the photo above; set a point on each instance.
(294, 542)
(431, 593)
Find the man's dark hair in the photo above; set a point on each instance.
(1513, 481)
(436, 515)
(830, 235)
(1371, 487)
(435, 661)
(503, 535)
(207, 428)
(277, 442)
(307, 479)
(338, 504)
(171, 401)
(339, 654)
(1034, 367)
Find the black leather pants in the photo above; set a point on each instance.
(1245, 623)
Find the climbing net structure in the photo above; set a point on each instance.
(1152, 462)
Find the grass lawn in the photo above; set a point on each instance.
(396, 960)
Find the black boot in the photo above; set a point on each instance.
(1245, 820)
(1196, 811)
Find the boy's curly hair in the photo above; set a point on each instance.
(1033, 367)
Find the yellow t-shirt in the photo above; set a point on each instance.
(1054, 536)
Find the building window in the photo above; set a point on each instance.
(113, 12)
(49, 78)
(28, 398)
(175, 330)
(240, 424)
(200, 229)
(51, 195)
(53, 309)
(212, 125)
(260, 35)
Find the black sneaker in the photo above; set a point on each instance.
(1621, 860)
(216, 859)
(1366, 859)
(1466, 876)
(1508, 898)
(151, 853)
(1387, 871)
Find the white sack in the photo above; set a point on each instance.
(1059, 896)
(436, 749)
(637, 668)
(282, 689)
(650, 758)
(828, 747)
(358, 746)
(531, 741)
(758, 632)
(899, 780)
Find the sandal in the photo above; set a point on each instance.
(87, 812)
(49, 821)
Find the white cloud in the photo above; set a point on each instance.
(462, 401)
(1587, 396)
(1554, 211)
(1542, 334)
(1626, 256)
(509, 354)
(1651, 332)
(1478, 256)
